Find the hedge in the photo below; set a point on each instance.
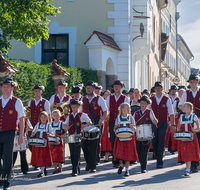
(30, 73)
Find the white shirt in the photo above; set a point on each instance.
(18, 106)
(116, 98)
(132, 120)
(46, 105)
(187, 117)
(27, 121)
(152, 116)
(79, 98)
(169, 104)
(51, 101)
(84, 118)
(101, 102)
(50, 130)
(184, 96)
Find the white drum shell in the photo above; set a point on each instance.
(17, 147)
(183, 136)
(38, 142)
(144, 132)
(54, 140)
(124, 132)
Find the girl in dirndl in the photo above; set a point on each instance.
(188, 150)
(57, 151)
(124, 150)
(41, 156)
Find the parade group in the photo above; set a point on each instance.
(123, 124)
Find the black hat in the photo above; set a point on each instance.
(145, 98)
(112, 91)
(118, 82)
(173, 87)
(193, 77)
(75, 89)
(124, 92)
(158, 84)
(75, 102)
(145, 91)
(131, 90)
(152, 90)
(8, 81)
(182, 87)
(62, 83)
(90, 83)
(79, 84)
(98, 87)
(37, 86)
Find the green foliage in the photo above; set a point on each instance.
(29, 74)
(24, 20)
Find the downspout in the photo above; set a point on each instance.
(132, 83)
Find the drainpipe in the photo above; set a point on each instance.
(132, 66)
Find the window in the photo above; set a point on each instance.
(56, 47)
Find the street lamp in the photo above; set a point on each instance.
(141, 32)
(141, 16)
(176, 80)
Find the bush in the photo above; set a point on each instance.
(29, 74)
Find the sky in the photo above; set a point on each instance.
(189, 27)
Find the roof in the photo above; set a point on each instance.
(5, 66)
(58, 70)
(105, 39)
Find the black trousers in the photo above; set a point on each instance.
(90, 152)
(6, 153)
(75, 150)
(99, 144)
(158, 141)
(142, 151)
(24, 164)
(194, 163)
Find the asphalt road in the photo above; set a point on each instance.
(170, 177)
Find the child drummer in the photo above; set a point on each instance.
(41, 156)
(57, 151)
(144, 116)
(124, 150)
(74, 125)
(188, 150)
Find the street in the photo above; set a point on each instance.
(106, 177)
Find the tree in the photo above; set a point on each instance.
(25, 21)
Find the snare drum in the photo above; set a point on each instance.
(54, 140)
(17, 147)
(144, 132)
(183, 136)
(38, 142)
(91, 133)
(124, 132)
(75, 138)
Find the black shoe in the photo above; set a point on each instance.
(79, 171)
(87, 168)
(1, 184)
(154, 157)
(6, 187)
(172, 152)
(59, 170)
(134, 162)
(74, 175)
(36, 168)
(25, 173)
(40, 175)
(126, 174)
(55, 171)
(159, 166)
(143, 171)
(45, 171)
(194, 169)
(120, 169)
(92, 170)
(97, 163)
(115, 165)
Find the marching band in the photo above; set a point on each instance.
(126, 125)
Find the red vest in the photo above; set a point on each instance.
(78, 123)
(195, 101)
(160, 110)
(96, 109)
(114, 107)
(57, 100)
(36, 110)
(147, 118)
(8, 115)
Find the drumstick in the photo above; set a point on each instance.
(140, 118)
(190, 123)
(153, 117)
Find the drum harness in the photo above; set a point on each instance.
(149, 141)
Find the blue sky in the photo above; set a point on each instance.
(189, 27)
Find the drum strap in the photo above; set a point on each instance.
(72, 117)
(142, 117)
(90, 110)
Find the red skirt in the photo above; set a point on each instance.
(41, 157)
(188, 150)
(57, 152)
(105, 141)
(125, 150)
